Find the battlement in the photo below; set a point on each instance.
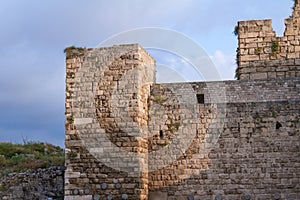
(128, 137)
(263, 55)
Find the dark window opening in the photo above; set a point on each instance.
(278, 125)
(161, 134)
(200, 98)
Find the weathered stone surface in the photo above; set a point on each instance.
(40, 184)
(109, 101)
(238, 133)
(158, 196)
(258, 44)
(198, 140)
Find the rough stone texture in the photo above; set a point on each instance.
(261, 54)
(243, 139)
(129, 137)
(257, 154)
(252, 110)
(34, 185)
(113, 86)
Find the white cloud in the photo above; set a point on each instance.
(225, 64)
(32, 73)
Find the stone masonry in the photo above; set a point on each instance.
(37, 184)
(130, 138)
(107, 110)
(263, 55)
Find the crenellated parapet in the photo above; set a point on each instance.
(128, 137)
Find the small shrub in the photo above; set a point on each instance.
(163, 144)
(275, 47)
(2, 188)
(17, 159)
(70, 119)
(73, 52)
(237, 58)
(24, 189)
(31, 155)
(70, 74)
(3, 161)
(159, 99)
(72, 154)
(259, 50)
(237, 73)
(38, 147)
(236, 30)
(173, 127)
(70, 48)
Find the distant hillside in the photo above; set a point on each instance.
(31, 155)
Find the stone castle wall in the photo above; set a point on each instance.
(252, 158)
(263, 55)
(107, 95)
(257, 152)
(129, 138)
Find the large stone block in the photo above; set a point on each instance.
(255, 76)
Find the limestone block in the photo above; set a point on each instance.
(297, 48)
(271, 74)
(79, 197)
(247, 70)
(244, 51)
(250, 45)
(249, 58)
(281, 69)
(253, 37)
(297, 61)
(292, 56)
(280, 74)
(258, 76)
(80, 121)
(245, 76)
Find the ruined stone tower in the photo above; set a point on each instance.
(263, 55)
(130, 138)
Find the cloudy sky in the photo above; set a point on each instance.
(34, 33)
